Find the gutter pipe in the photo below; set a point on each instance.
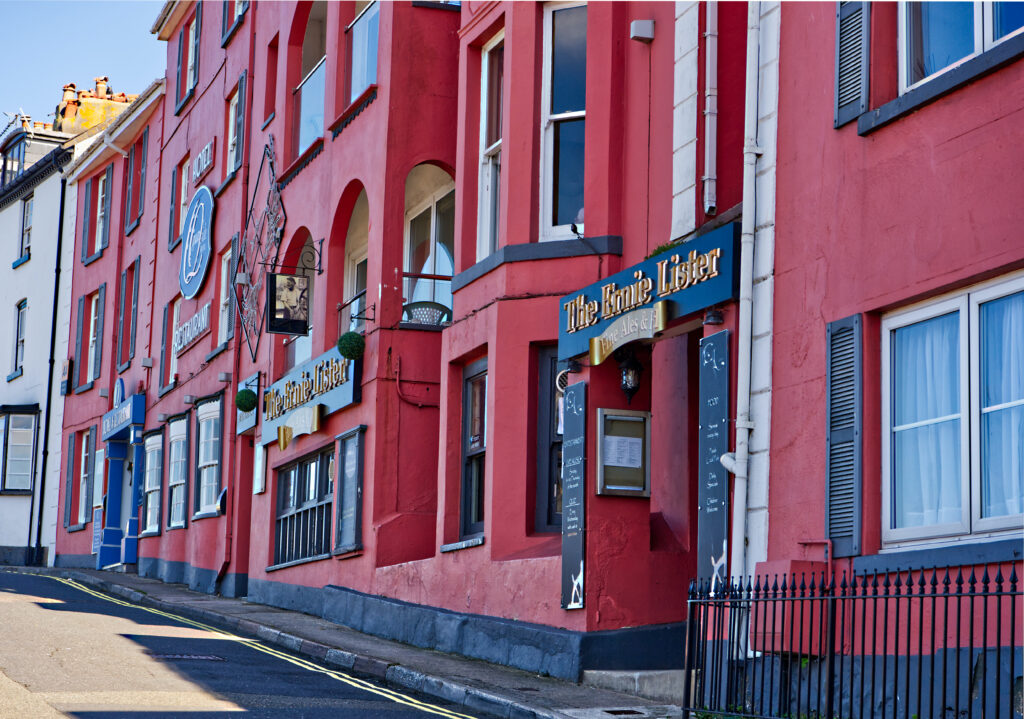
(737, 462)
(711, 108)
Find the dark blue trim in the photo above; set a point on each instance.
(353, 111)
(131, 227)
(962, 555)
(16, 374)
(197, 578)
(93, 257)
(216, 351)
(307, 157)
(188, 96)
(75, 561)
(530, 251)
(83, 387)
(268, 121)
(437, 5)
(989, 61)
(21, 260)
(223, 185)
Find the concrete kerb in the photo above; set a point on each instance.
(393, 674)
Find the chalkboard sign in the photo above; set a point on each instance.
(574, 485)
(350, 491)
(712, 443)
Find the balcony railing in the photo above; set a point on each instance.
(352, 314)
(303, 534)
(907, 645)
(363, 50)
(309, 107)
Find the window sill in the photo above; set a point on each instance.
(76, 528)
(167, 388)
(230, 33)
(940, 86)
(227, 181)
(21, 260)
(437, 5)
(150, 533)
(355, 107)
(122, 367)
(16, 374)
(356, 550)
(15, 492)
(531, 251)
(93, 257)
(184, 101)
(216, 351)
(205, 515)
(464, 544)
(300, 162)
(965, 554)
(131, 228)
(174, 242)
(267, 121)
(174, 527)
(296, 562)
(83, 387)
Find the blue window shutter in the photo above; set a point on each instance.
(99, 330)
(142, 171)
(120, 318)
(164, 379)
(853, 38)
(129, 173)
(105, 240)
(92, 471)
(240, 122)
(224, 18)
(195, 44)
(172, 233)
(231, 287)
(69, 480)
(180, 81)
(76, 370)
(86, 216)
(135, 305)
(843, 441)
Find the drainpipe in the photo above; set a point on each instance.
(711, 108)
(49, 379)
(738, 462)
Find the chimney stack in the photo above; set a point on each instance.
(69, 93)
(101, 86)
(26, 122)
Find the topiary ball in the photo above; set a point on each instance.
(245, 400)
(351, 345)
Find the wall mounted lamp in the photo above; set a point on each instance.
(630, 369)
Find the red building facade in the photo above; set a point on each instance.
(411, 178)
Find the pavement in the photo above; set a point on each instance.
(479, 687)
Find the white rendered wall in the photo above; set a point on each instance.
(684, 120)
(33, 281)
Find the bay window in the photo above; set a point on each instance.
(153, 479)
(953, 415)
(177, 472)
(209, 420)
(17, 451)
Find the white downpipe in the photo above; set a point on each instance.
(109, 143)
(711, 108)
(738, 462)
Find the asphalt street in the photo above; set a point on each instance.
(68, 650)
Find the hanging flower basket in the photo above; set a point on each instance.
(351, 345)
(245, 400)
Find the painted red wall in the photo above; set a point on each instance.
(868, 224)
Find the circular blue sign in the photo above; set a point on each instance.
(195, 243)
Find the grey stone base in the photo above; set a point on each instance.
(197, 578)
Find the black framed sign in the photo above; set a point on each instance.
(712, 443)
(287, 304)
(574, 485)
(348, 536)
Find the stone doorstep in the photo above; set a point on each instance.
(660, 685)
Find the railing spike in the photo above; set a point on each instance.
(934, 580)
(972, 581)
(984, 579)
(1013, 577)
(999, 578)
(842, 584)
(775, 584)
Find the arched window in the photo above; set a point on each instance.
(308, 96)
(429, 245)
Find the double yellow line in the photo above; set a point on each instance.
(352, 681)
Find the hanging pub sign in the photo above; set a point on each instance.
(287, 304)
(639, 302)
(195, 244)
(295, 404)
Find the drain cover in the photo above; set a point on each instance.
(197, 657)
(647, 712)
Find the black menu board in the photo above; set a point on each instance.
(574, 484)
(712, 443)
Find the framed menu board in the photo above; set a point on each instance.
(624, 452)
(349, 491)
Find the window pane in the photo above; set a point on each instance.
(444, 230)
(475, 489)
(364, 52)
(926, 370)
(419, 243)
(19, 452)
(495, 79)
(309, 103)
(1006, 17)
(567, 203)
(152, 511)
(477, 412)
(1002, 427)
(926, 475)
(569, 60)
(939, 34)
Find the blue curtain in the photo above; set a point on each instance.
(1002, 427)
(926, 482)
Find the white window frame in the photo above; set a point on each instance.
(26, 225)
(549, 231)
(20, 320)
(983, 41)
(232, 143)
(428, 203)
(490, 155)
(208, 443)
(5, 450)
(224, 307)
(83, 478)
(101, 212)
(92, 370)
(152, 480)
(190, 69)
(971, 526)
(177, 471)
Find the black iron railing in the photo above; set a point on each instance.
(908, 645)
(303, 533)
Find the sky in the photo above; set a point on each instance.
(49, 43)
